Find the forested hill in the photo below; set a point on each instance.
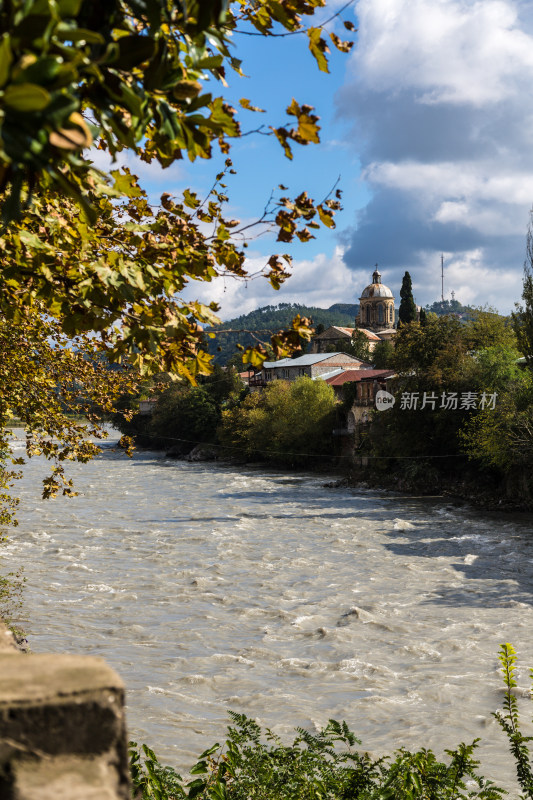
(271, 319)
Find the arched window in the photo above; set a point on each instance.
(368, 314)
(380, 313)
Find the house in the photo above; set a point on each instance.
(360, 387)
(369, 380)
(247, 376)
(147, 406)
(328, 339)
(312, 365)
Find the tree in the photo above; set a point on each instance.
(448, 371)
(486, 328)
(183, 418)
(83, 250)
(130, 75)
(357, 345)
(46, 379)
(288, 423)
(383, 355)
(523, 316)
(436, 352)
(407, 311)
(182, 415)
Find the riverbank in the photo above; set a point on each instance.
(477, 489)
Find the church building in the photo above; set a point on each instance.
(376, 319)
(376, 307)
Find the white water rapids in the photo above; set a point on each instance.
(214, 587)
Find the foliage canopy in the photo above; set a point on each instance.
(135, 75)
(288, 423)
(440, 359)
(47, 381)
(83, 250)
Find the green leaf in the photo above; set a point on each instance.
(216, 746)
(44, 70)
(253, 357)
(293, 108)
(326, 217)
(26, 97)
(125, 183)
(308, 129)
(199, 768)
(190, 199)
(245, 103)
(318, 47)
(195, 787)
(210, 62)
(133, 50)
(6, 58)
(67, 33)
(69, 8)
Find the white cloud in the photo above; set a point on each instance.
(484, 196)
(474, 283)
(447, 50)
(485, 180)
(467, 275)
(320, 281)
(442, 108)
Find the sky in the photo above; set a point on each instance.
(428, 123)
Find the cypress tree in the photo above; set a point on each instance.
(522, 318)
(407, 311)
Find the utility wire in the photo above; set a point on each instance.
(307, 455)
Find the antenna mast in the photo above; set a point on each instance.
(442, 277)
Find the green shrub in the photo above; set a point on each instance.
(510, 722)
(287, 423)
(257, 766)
(253, 766)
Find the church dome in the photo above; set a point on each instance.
(376, 288)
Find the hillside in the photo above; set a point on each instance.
(444, 307)
(270, 319)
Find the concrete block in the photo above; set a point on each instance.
(62, 728)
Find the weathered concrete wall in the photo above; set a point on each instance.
(62, 727)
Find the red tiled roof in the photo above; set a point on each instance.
(351, 375)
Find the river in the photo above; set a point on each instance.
(212, 587)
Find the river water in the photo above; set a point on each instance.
(213, 587)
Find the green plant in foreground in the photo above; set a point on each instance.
(314, 767)
(510, 722)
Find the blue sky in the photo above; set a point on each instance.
(428, 122)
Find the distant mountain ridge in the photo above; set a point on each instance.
(270, 319)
